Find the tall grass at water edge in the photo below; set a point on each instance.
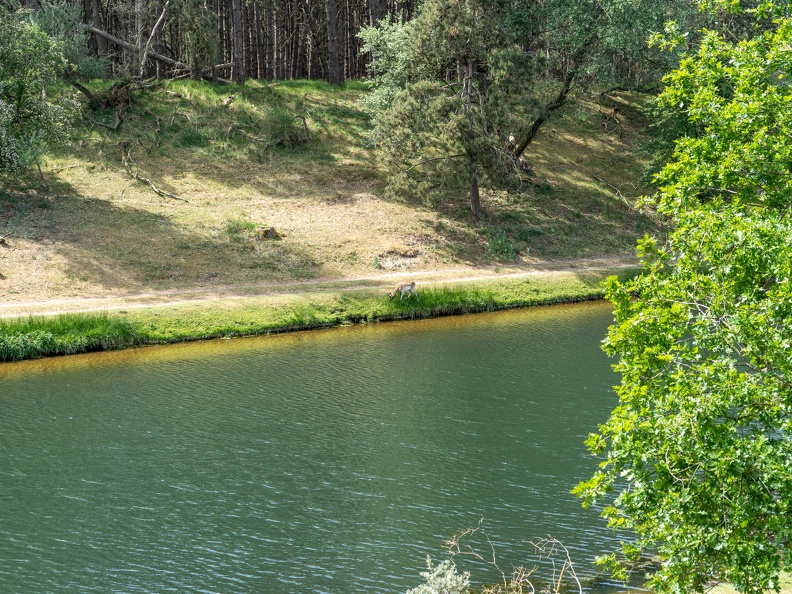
(65, 334)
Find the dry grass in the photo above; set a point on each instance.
(97, 232)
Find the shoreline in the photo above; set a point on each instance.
(11, 308)
(35, 330)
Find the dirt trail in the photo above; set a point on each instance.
(11, 308)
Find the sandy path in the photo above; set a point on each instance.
(12, 308)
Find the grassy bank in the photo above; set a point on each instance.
(295, 156)
(42, 336)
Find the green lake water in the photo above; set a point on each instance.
(331, 461)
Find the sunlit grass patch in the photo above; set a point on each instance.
(236, 227)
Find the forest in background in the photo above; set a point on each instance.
(235, 39)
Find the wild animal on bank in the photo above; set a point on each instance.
(404, 289)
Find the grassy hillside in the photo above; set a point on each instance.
(293, 156)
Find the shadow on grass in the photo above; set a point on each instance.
(567, 214)
(118, 247)
(237, 137)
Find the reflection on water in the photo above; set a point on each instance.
(330, 461)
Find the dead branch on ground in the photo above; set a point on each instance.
(305, 126)
(176, 113)
(614, 188)
(118, 116)
(609, 116)
(235, 128)
(158, 133)
(126, 159)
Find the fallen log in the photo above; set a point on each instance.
(151, 54)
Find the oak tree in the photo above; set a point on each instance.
(698, 453)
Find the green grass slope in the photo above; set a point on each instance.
(181, 194)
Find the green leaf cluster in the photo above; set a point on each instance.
(32, 115)
(697, 457)
(61, 20)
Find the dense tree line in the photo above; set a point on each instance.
(262, 39)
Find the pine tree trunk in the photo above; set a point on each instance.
(140, 24)
(238, 74)
(475, 198)
(299, 59)
(261, 60)
(269, 26)
(335, 72)
(467, 93)
(96, 18)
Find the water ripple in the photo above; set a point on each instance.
(330, 462)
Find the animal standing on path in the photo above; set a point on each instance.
(402, 288)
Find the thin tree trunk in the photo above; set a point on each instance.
(225, 36)
(277, 50)
(299, 58)
(349, 40)
(475, 198)
(140, 24)
(549, 108)
(147, 46)
(269, 26)
(294, 39)
(159, 47)
(96, 18)
(238, 69)
(309, 55)
(466, 69)
(261, 59)
(335, 72)
(556, 102)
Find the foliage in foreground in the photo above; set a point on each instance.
(442, 579)
(699, 450)
(445, 579)
(31, 117)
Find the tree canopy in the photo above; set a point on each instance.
(698, 454)
(462, 89)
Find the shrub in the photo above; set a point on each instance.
(442, 579)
